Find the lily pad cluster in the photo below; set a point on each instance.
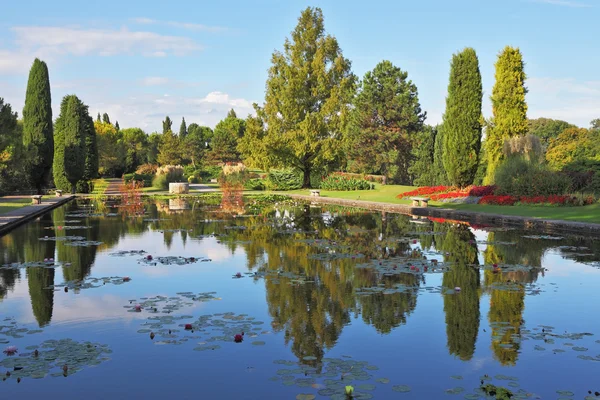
(54, 358)
(51, 264)
(335, 377)
(71, 240)
(91, 283)
(67, 227)
(123, 253)
(10, 329)
(168, 305)
(172, 260)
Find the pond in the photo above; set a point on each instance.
(281, 300)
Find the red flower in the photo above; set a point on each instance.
(188, 327)
(238, 338)
(148, 257)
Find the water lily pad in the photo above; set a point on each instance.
(456, 390)
(383, 380)
(309, 358)
(304, 396)
(366, 386)
(565, 393)
(401, 388)
(576, 348)
(258, 343)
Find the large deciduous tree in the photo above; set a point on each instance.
(385, 120)
(70, 147)
(38, 137)
(508, 107)
(308, 96)
(546, 128)
(111, 151)
(463, 119)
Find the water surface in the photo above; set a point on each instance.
(328, 297)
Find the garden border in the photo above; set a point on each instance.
(24, 214)
(481, 218)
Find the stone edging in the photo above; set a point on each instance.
(481, 218)
(9, 226)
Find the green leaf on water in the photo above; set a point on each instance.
(305, 396)
(457, 377)
(456, 390)
(383, 380)
(565, 393)
(401, 388)
(366, 386)
(258, 343)
(576, 348)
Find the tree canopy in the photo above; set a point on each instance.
(308, 94)
(546, 128)
(385, 119)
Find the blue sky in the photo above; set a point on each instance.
(141, 60)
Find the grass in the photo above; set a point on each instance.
(388, 193)
(100, 186)
(7, 205)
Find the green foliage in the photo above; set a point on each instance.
(517, 176)
(91, 152)
(225, 139)
(170, 151)
(462, 119)
(153, 145)
(344, 183)
(423, 154)
(386, 118)
(183, 129)
(528, 147)
(167, 174)
(12, 173)
(595, 124)
(135, 143)
(105, 118)
(84, 186)
(117, 127)
(146, 178)
(111, 151)
(38, 137)
(167, 125)
(546, 128)
(508, 106)
(255, 184)
(284, 179)
(72, 128)
(440, 177)
(308, 93)
(573, 145)
(482, 168)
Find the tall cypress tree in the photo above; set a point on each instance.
(440, 177)
(99, 118)
(37, 124)
(105, 118)
(91, 150)
(117, 127)
(462, 119)
(167, 125)
(508, 107)
(182, 129)
(70, 149)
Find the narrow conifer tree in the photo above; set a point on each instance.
(508, 107)
(182, 129)
(38, 138)
(462, 119)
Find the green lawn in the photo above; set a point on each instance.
(100, 186)
(388, 193)
(7, 205)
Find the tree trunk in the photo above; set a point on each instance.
(306, 181)
(73, 188)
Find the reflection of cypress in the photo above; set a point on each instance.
(506, 306)
(42, 299)
(81, 257)
(8, 277)
(462, 309)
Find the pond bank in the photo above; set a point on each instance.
(476, 217)
(14, 218)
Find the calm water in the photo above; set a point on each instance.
(322, 290)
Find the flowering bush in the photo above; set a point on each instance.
(480, 191)
(426, 190)
(146, 169)
(167, 174)
(554, 200)
(343, 182)
(498, 200)
(449, 195)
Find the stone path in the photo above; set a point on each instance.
(14, 218)
(114, 186)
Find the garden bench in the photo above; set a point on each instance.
(213, 181)
(36, 199)
(315, 193)
(419, 201)
(58, 193)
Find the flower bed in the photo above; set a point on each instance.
(426, 191)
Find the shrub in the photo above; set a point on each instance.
(233, 176)
(344, 182)
(167, 174)
(193, 179)
(84, 187)
(255, 184)
(370, 178)
(519, 177)
(284, 179)
(147, 169)
(528, 146)
(146, 178)
(480, 191)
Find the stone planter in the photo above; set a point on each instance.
(179, 188)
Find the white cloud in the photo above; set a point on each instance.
(15, 62)
(106, 42)
(567, 99)
(564, 3)
(182, 25)
(223, 99)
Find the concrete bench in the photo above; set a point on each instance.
(315, 193)
(36, 199)
(213, 181)
(58, 193)
(419, 201)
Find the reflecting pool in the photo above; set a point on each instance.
(281, 300)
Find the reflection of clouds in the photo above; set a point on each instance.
(558, 266)
(477, 363)
(218, 253)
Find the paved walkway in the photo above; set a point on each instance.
(114, 186)
(14, 218)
